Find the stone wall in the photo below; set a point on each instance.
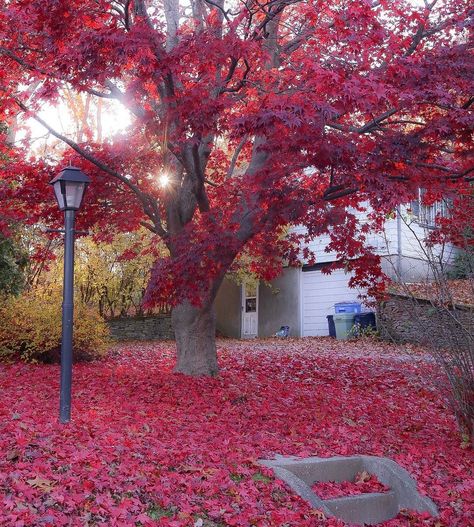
(156, 327)
(404, 319)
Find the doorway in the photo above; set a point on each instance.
(249, 310)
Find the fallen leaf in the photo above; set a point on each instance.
(41, 483)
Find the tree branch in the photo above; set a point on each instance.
(366, 128)
(468, 103)
(201, 195)
(140, 10)
(171, 8)
(442, 168)
(329, 196)
(225, 13)
(126, 13)
(137, 110)
(100, 94)
(376, 121)
(240, 83)
(22, 62)
(235, 156)
(275, 8)
(144, 199)
(115, 92)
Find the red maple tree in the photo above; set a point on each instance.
(262, 113)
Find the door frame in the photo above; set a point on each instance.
(243, 297)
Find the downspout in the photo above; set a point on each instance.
(399, 244)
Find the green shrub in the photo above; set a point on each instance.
(358, 331)
(12, 266)
(30, 328)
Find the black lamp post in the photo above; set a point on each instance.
(69, 187)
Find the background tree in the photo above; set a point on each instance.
(112, 276)
(256, 115)
(12, 265)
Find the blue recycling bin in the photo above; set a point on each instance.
(347, 307)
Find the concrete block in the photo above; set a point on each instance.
(369, 508)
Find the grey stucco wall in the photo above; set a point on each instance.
(411, 269)
(279, 304)
(228, 309)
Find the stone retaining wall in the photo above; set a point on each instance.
(156, 327)
(404, 319)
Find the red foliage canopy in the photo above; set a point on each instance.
(262, 113)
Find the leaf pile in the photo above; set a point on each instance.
(363, 483)
(459, 292)
(149, 447)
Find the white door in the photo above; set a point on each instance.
(249, 311)
(319, 293)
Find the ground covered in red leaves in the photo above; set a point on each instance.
(149, 447)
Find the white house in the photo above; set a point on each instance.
(303, 297)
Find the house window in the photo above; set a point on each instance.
(426, 214)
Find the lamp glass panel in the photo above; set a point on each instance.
(73, 194)
(59, 195)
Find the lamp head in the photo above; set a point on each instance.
(69, 188)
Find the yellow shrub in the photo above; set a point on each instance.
(30, 328)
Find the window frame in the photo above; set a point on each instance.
(426, 215)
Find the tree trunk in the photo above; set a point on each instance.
(195, 331)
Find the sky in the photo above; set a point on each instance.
(115, 118)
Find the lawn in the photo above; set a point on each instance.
(149, 447)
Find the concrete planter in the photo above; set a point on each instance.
(370, 508)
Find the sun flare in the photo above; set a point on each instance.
(164, 180)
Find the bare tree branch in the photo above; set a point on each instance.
(468, 103)
(115, 92)
(225, 13)
(137, 110)
(22, 62)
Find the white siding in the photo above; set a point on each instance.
(387, 243)
(413, 254)
(318, 245)
(319, 293)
